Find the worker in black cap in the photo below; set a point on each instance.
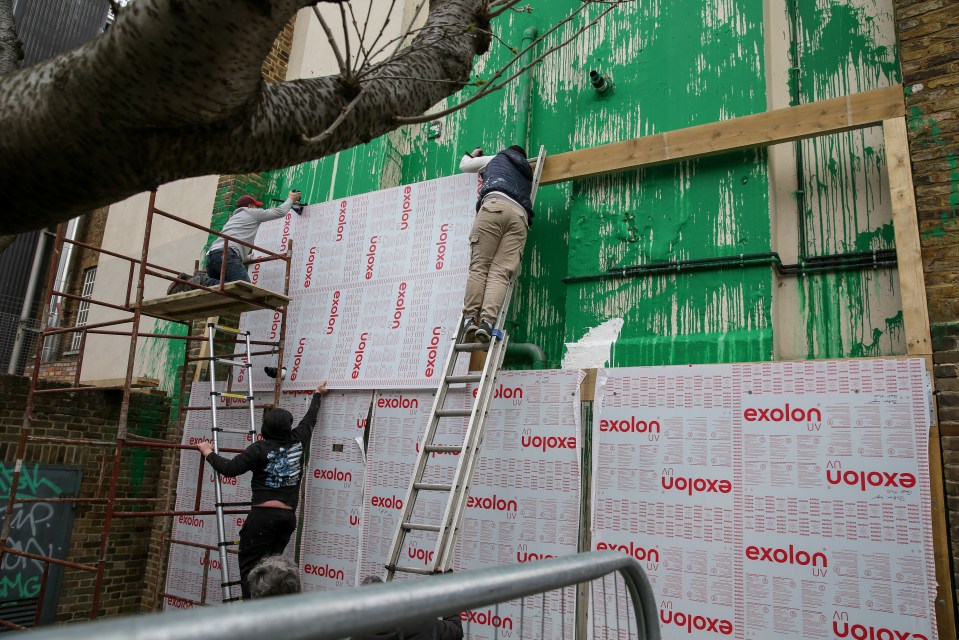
(277, 463)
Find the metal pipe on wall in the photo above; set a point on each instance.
(524, 90)
(861, 260)
(64, 270)
(25, 311)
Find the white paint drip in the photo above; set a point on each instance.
(595, 349)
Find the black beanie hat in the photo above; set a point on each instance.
(277, 425)
(517, 147)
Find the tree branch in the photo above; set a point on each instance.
(11, 49)
(492, 87)
(173, 90)
(340, 61)
(6, 241)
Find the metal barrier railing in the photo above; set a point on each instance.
(331, 615)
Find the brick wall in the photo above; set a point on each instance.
(64, 370)
(94, 415)
(275, 65)
(928, 33)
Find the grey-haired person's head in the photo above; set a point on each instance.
(274, 576)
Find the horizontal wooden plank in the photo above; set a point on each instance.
(749, 132)
(138, 382)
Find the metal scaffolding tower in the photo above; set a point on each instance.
(181, 308)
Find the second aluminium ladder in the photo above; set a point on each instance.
(448, 528)
(247, 364)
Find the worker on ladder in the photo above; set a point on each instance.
(504, 213)
(277, 463)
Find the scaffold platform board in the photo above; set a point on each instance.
(138, 382)
(193, 305)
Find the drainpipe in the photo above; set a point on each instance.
(524, 89)
(55, 315)
(795, 98)
(528, 351)
(35, 273)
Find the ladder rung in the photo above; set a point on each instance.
(225, 329)
(235, 363)
(238, 396)
(477, 346)
(245, 432)
(412, 526)
(474, 377)
(453, 413)
(426, 486)
(442, 448)
(416, 570)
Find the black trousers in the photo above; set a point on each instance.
(266, 533)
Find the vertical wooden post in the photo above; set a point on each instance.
(915, 315)
(912, 284)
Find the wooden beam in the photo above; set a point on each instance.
(204, 352)
(137, 382)
(912, 283)
(749, 132)
(915, 317)
(945, 605)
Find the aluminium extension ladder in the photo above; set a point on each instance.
(449, 527)
(247, 364)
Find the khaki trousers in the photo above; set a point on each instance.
(496, 252)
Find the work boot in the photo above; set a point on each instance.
(271, 372)
(485, 332)
(179, 287)
(469, 328)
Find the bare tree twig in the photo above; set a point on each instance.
(336, 123)
(366, 23)
(362, 50)
(344, 71)
(497, 9)
(406, 33)
(491, 88)
(502, 69)
(499, 40)
(346, 45)
(386, 22)
(391, 41)
(396, 77)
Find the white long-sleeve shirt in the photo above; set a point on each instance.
(469, 164)
(244, 223)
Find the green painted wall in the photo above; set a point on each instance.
(674, 64)
(845, 47)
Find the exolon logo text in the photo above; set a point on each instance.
(782, 414)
